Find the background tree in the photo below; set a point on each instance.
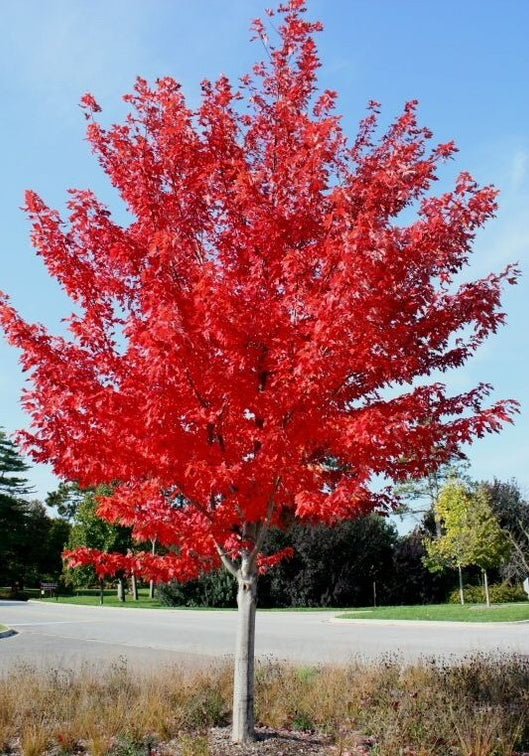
(331, 566)
(471, 533)
(13, 488)
(488, 545)
(66, 499)
(418, 496)
(451, 549)
(512, 512)
(412, 582)
(92, 532)
(30, 541)
(243, 329)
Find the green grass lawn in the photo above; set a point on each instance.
(143, 601)
(444, 612)
(435, 612)
(91, 598)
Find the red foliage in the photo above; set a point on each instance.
(256, 345)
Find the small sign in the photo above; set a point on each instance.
(49, 586)
(526, 585)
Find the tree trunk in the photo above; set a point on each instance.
(243, 681)
(461, 594)
(134, 586)
(151, 582)
(121, 589)
(486, 586)
(438, 527)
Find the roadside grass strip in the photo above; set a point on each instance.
(444, 613)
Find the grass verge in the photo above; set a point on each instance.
(444, 613)
(109, 600)
(478, 706)
(434, 612)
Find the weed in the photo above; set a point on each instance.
(128, 746)
(194, 745)
(303, 722)
(206, 708)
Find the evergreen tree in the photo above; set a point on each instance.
(30, 541)
(13, 487)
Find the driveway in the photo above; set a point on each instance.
(65, 636)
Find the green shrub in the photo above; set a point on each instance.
(217, 588)
(8, 594)
(500, 593)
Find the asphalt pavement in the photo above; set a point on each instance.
(62, 635)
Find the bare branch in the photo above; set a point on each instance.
(264, 525)
(227, 561)
(520, 552)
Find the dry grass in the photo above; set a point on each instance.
(477, 707)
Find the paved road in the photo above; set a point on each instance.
(62, 635)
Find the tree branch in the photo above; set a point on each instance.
(263, 527)
(227, 561)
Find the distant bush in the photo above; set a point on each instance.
(8, 594)
(216, 589)
(501, 593)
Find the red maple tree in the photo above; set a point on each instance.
(256, 345)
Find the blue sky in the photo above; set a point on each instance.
(466, 62)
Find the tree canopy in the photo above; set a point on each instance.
(255, 346)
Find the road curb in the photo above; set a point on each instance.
(7, 633)
(421, 623)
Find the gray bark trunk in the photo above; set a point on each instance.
(486, 585)
(438, 528)
(121, 589)
(243, 681)
(461, 594)
(151, 582)
(134, 587)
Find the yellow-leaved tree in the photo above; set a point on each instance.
(471, 534)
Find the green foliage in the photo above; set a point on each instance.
(419, 496)
(90, 530)
(331, 566)
(215, 589)
(471, 533)
(412, 582)
(500, 593)
(451, 549)
(507, 612)
(30, 541)
(66, 499)
(488, 547)
(128, 746)
(12, 484)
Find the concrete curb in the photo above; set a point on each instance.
(421, 623)
(7, 633)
